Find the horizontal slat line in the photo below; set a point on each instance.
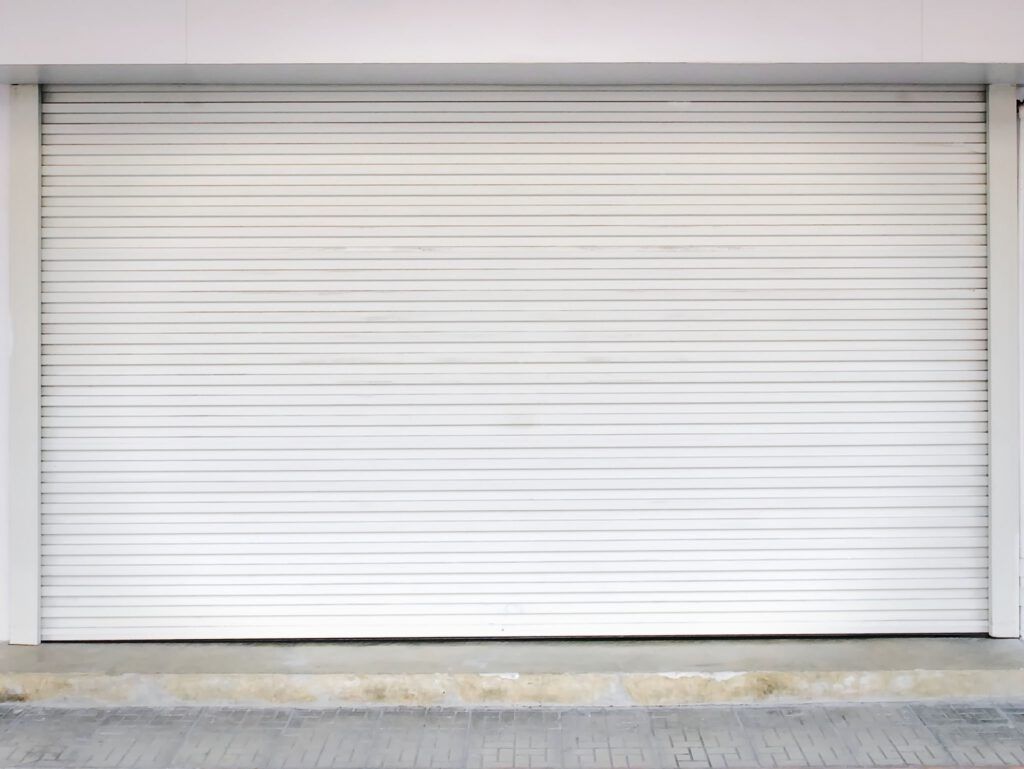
(462, 628)
(119, 506)
(579, 258)
(956, 467)
(755, 284)
(564, 151)
(732, 517)
(484, 176)
(492, 173)
(227, 316)
(53, 588)
(577, 605)
(134, 471)
(483, 493)
(866, 389)
(514, 240)
(242, 533)
(243, 537)
(227, 625)
(300, 276)
(566, 406)
(863, 191)
(269, 521)
(664, 204)
(642, 365)
(58, 140)
(419, 396)
(514, 427)
(508, 210)
(436, 365)
(327, 342)
(965, 127)
(62, 596)
(243, 540)
(802, 570)
(680, 266)
(78, 380)
(585, 290)
(925, 598)
(518, 300)
(511, 113)
(952, 412)
(458, 89)
(973, 566)
(201, 426)
(456, 511)
(428, 443)
(525, 555)
(371, 418)
(506, 99)
(631, 115)
(596, 529)
(204, 338)
(158, 483)
(98, 467)
(222, 94)
(571, 234)
(849, 309)
(512, 456)
(692, 105)
(57, 339)
(555, 252)
(938, 222)
(806, 571)
(65, 597)
(342, 327)
(238, 581)
(242, 583)
(716, 345)
(555, 155)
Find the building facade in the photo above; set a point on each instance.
(410, 321)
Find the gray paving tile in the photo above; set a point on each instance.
(529, 739)
(986, 745)
(756, 737)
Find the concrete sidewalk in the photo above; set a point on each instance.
(879, 735)
(512, 673)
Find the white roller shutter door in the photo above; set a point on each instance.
(351, 362)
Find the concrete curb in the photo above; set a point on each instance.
(504, 689)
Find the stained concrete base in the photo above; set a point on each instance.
(505, 673)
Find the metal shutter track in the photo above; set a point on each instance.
(353, 362)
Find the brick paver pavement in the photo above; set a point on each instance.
(730, 737)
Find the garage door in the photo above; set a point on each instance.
(406, 362)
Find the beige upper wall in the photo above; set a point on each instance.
(178, 32)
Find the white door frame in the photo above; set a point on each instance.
(25, 421)
(1004, 365)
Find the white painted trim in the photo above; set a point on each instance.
(25, 362)
(522, 73)
(1020, 318)
(1004, 364)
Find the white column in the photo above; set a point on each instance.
(1004, 364)
(25, 385)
